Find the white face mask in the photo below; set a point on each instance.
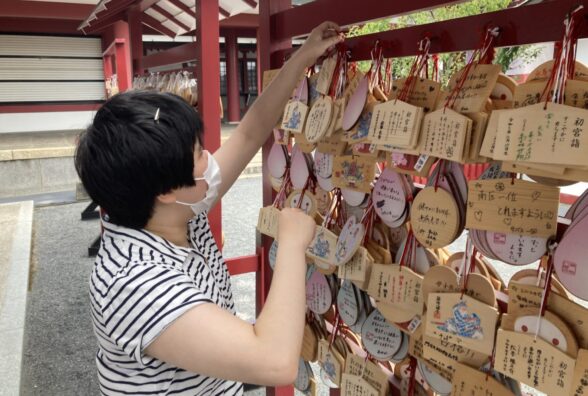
(212, 177)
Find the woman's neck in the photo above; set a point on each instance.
(176, 236)
(170, 226)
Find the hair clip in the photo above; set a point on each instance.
(156, 117)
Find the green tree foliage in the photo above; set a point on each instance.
(449, 63)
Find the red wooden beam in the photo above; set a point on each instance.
(30, 9)
(48, 108)
(518, 27)
(243, 265)
(101, 24)
(301, 20)
(111, 49)
(170, 17)
(241, 21)
(224, 12)
(114, 8)
(240, 32)
(180, 54)
(155, 24)
(183, 7)
(244, 24)
(39, 25)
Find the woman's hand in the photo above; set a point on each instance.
(295, 228)
(322, 37)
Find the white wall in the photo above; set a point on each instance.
(45, 122)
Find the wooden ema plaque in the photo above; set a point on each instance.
(360, 132)
(303, 144)
(369, 371)
(461, 320)
(398, 287)
(396, 123)
(354, 172)
(424, 93)
(319, 119)
(353, 385)
(528, 94)
(489, 142)
(512, 207)
(268, 77)
(580, 382)
(267, 222)
(447, 355)
(576, 94)
(331, 361)
(445, 134)
(471, 382)
(294, 116)
(332, 144)
(337, 120)
(309, 351)
(534, 362)
(479, 124)
(476, 90)
(522, 296)
(322, 247)
(357, 269)
(543, 71)
(325, 75)
(555, 171)
(435, 217)
(556, 135)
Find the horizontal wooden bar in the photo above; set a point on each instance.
(181, 53)
(62, 11)
(48, 108)
(112, 46)
(99, 25)
(243, 264)
(39, 25)
(106, 13)
(299, 21)
(518, 26)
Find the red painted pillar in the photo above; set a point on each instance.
(208, 76)
(123, 66)
(136, 36)
(245, 74)
(108, 71)
(124, 71)
(265, 45)
(232, 58)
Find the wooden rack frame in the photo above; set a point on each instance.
(280, 23)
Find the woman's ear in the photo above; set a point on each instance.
(167, 198)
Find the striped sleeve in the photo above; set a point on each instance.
(143, 301)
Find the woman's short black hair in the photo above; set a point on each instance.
(126, 158)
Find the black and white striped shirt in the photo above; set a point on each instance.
(140, 284)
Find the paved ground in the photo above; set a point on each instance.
(59, 343)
